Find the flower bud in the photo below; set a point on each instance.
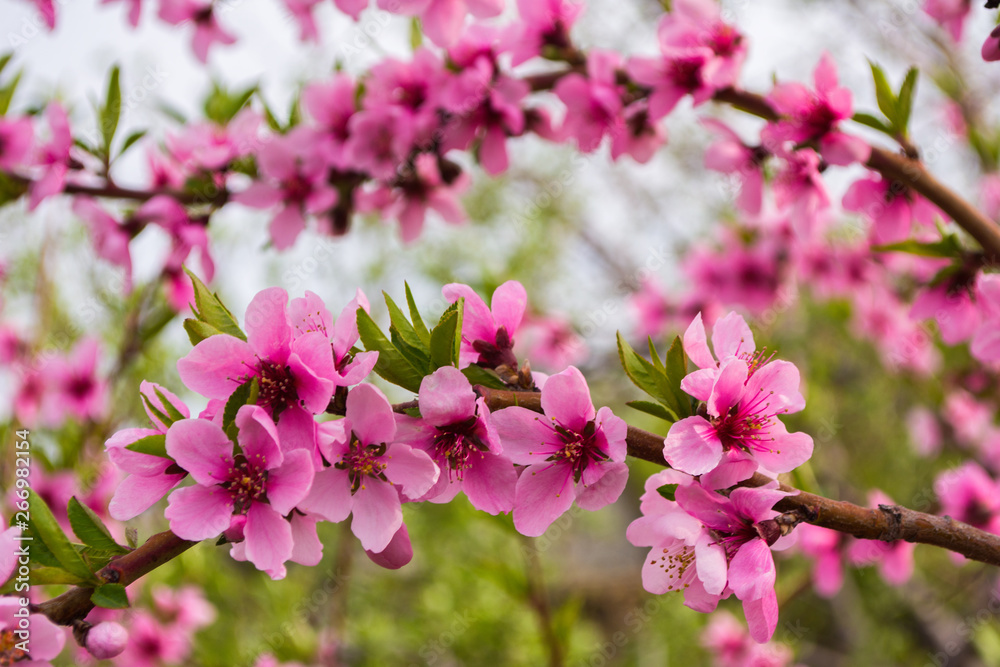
(106, 640)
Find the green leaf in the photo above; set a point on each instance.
(948, 247)
(668, 491)
(198, 331)
(4, 59)
(883, 93)
(418, 322)
(111, 112)
(45, 528)
(210, 310)
(391, 366)
(419, 358)
(130, 140)
(110, 596)
(245, 394)
(154, 445)
(402, 327)
(655, 409)
(45, 576)
(446, 337)
(89, 528)
(677, 371)
(479, 375)
(905, 100)
(172, 411)
(873, 122)
(7, 93)
(221, 105)
(416, 35)
(642, 373)
(132, 536)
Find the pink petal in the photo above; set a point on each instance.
(446, 397)
(410, 469)
(329, 496)
(370, 415)
(217, 366)
(508, 305)
(731, 336)
(692, 446)
(202, 448)
(490, 483)
(269, 331)
(258, 437)
(306, 546)
(311, 364)
(523, 435)
(199, 512)
(606, 490)
(566, 399)
(729, 387)
(136, 494)
(699, 383)
(398, 553)
(377, 515)
(711, 563)
(751, 571)
(289, 484)
(543, 494)
(696, 344)
(762, 617)
(268, 540)
(842, 149)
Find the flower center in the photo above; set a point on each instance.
(498, 353)
(686, 72)
(277, 387)
(579, 449)
(247, 482)
(819, 119)
(676, 560)
(80, 386)
(9, 653)
(747, 425)
(363, 461)
(456, 443)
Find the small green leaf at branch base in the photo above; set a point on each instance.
(89, 528)
(46, 529)
(210, 310)
(110, 596)
(391, 365)
(154, 445)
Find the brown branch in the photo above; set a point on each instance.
(887, 523)
(75, 604)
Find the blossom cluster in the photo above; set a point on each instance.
(267, 468)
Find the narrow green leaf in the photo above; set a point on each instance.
(7, 93)
(905, 100)
(294, 113)
(402, 327)
(948, 247)
(677, 371)
(391, 366)
(45, 528)
(45, 576)
(418, 322)
(642, 373)
(198, 331)
(89, 528)
(212, 311)
(4, 59)
(479, 375)
(154, 445)
(175, 414)
(110, 596)
(873, 122)
(111, 113)
(655, 409)
(240, 397)
(416, 35)
(446, 337)
(884, 95)
(418, 358)
(130, 140)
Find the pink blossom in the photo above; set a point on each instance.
(593, 103)
(110, 238)
(397, 554)
(732, 646)
(750, 276)
(678, 72)
(380, 140)
(488, 334)
(294, 178)
(730, 155)
(331, 104)
(106, 640)
(310, 315)
(414, 88)
(824, 547)
(812, 116)
(799, 190)
(369, 470)
(152, 644)
(951, 305)
(551, 342)
(968, 494)
(52, 157)
(637, 135)
(544, 23)
(456, 431)
(834, 269)
(16, 136)
(949, 14)
(572, 453)
(698, 23)
(985, 344)
(422, 189)
(148, 480)
(211, 147)
(186, 607)
(969, 418)
(889, 206)
(206, 29)
(894, 559)
(46, 638)
(924, 431)
(261, 482)
(903, 344)
(76, 387)
(442, 20)
(294, 373)
(745, 391)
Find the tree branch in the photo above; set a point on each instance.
(887, 523)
